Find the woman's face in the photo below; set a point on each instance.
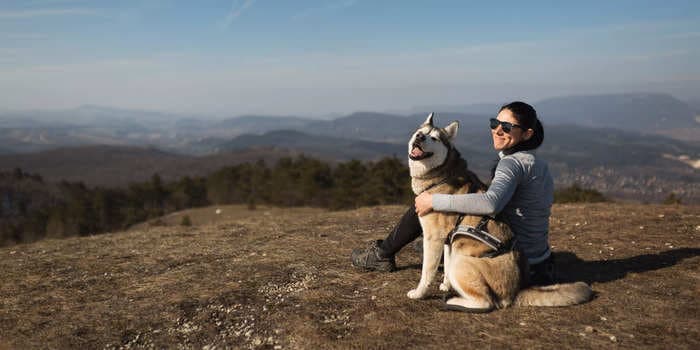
(503, 140)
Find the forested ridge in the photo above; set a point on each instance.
(32, 209)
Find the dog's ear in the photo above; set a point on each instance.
(429, 121)
(451, 130)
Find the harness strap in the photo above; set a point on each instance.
(480, 234)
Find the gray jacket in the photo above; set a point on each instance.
(522, 191)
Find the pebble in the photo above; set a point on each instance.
(661, 215)
(589, 329)
(522, 323)
(602, 318)
(613, 339)
(374, 297)
(641, 227)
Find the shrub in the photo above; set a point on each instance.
(186, 221)
(672, 199)
(576, 194)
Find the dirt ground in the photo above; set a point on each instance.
(279, 279)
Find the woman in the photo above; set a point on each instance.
(521, 193)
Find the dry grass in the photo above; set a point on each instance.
(281, 278)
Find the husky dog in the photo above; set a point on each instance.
(482, 280)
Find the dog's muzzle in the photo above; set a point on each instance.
(417, 152)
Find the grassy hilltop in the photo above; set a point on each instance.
(281, 278)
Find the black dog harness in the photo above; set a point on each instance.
(480, 234)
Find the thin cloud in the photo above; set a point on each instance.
(317, 11)
(24, 14)
(236, 10)
(686, 35)
(24, 36)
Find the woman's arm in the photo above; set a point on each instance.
(508, 176)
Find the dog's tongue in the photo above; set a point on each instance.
(416, 152)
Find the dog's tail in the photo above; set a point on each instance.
(555, 295)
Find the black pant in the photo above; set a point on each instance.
(405, 232)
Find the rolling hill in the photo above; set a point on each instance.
(112, 166)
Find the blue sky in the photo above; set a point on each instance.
(322, 57)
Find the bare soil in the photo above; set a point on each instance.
(277, 279)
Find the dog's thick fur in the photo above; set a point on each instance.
(481, 283)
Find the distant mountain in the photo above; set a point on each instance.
(647, 113)
(316, 145)
(381, 127)
(118, 166)
(694, 103)
(260, 124)
(476, 108)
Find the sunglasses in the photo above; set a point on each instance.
(505, 126)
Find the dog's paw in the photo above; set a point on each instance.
(415, 294)
(445, 287)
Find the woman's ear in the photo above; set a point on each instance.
(528, 134)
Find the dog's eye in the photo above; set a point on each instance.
(434, 138)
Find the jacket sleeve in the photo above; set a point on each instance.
(509, 174)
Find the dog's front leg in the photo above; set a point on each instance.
(445, 285)
(432, 249)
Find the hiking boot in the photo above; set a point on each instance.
(371, 258)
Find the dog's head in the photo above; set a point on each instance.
(429, 146)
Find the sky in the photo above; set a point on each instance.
(338, 56)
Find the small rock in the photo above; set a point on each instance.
(602, 318)
(613, 339)
(588, 329)
(522, 323)
(13, 252)
(218, 211)
(661, 215)
(374, 297)
(641, 227)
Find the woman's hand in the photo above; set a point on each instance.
(424, 203)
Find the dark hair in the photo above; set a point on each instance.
(527, 118)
